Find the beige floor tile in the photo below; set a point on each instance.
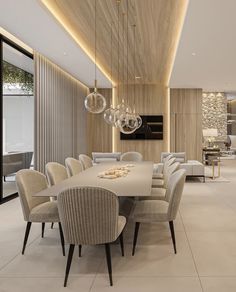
(44, 258)
(147, 284)
(156, 259)
(81, 284)
(214, 252)
(221, 284)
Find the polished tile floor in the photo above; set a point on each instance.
(206, 242)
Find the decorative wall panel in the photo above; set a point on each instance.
(60, 117)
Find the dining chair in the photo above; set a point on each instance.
(161, 175)
(148, 211)
(55, 173)
(86, 161)
(159, 193)
(90, 216)
(36, 209)
(131, 156)
(160, 183)
(74, 166)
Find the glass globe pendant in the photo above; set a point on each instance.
(126, 129)
(109, 116)
(95, 102)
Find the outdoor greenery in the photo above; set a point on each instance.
(15, 75)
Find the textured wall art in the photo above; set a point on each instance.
(214, 112)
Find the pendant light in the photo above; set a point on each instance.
(138, 118)
(109, 114)
(127, 120)
(95, 102)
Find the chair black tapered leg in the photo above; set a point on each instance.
(109, 267)
(121, 244)
(137, 224)
(80, 250)
(27, 231)
(172, 231)
(68, 264)
(52, 225)
(43, 228)
(62, 239)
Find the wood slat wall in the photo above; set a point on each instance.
(148, 100)
(99, 133)
(60, 117)
(186, 122)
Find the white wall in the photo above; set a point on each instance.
(18, 115)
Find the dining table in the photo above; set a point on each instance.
(137, 182)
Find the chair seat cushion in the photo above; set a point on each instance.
(156, 194)
(121, 224)
(157, 183)
(150, 211)
(157, 176)
(46, 212)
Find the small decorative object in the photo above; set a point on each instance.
(209, 135)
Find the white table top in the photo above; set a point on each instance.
(138, 182)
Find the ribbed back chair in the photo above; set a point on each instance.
(55, 172)
(131, 156)
(148, 211)
(74, 166)
(90, 216)
(86, 161)
(36, 209)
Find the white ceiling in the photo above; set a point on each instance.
(29, 21)
(209, 32)
(18, 59)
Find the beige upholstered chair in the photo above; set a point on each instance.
(86, 161)
(131, 156)
(165, 165)
(159, 193)
(36, 209)
(55, 172)
(148, 211)
(73, 166)
(90, 216)
(160, 183)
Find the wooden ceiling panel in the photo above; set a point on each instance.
(158, 24)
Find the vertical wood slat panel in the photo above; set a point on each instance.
(186, 121)
(59, 114)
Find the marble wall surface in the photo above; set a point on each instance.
(214, 112)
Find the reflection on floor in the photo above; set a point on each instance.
(206, 242)
(9, 186)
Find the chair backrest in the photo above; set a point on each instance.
(55, 173)
(167, 163)
(86, 161)
(170, 170)
(74, 166)
(88, 215)
(30, 182)
(174, 192)
(131, 156)
(180, 156)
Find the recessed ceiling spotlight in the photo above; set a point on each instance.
(65, 54)
(193, 54)
(138, 77)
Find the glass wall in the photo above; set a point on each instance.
(17, 115)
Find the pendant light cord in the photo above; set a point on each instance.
(123, 54)
(95, 53)
(118, 28)
(111, 54)
(134, 63)
(127, 43)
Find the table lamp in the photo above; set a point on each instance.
(210, 135)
